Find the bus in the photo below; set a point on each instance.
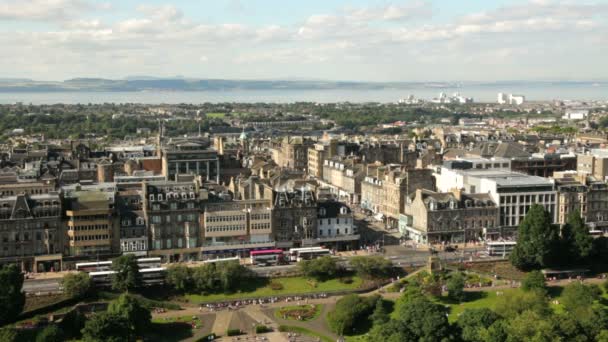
(293, 252)
(211, 261)
(153, 276)
(97, 266)
(596, 233)
(148, 262)
(267, 257)
(100, 266)
(312, 254)
(101, 278)
(149, 276)
(500, 248)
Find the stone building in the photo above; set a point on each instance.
(450, 217)
(91, 225)
(31, 231)
(294, 218)
(343, 176)
(172, 212)
(133, 229)
(234, 228)
(293, 153)
(192, 156)
(387, 193)
(336, 227)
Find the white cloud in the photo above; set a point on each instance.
(371, 42)
(54, 10)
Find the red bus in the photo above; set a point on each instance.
(267, 257)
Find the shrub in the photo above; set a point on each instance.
(346, 280)
(283, 328)
(350, 311)
(76, 285)
(261, 329)
(233, 332)
(275, 285)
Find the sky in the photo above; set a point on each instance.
(409, 40)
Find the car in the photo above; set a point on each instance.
(450, 248)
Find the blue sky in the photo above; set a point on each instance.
(401, 40)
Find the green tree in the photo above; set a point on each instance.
(455, 287)
(583, 241)
(602, 336)
(496, 332)
(8, 334)
(535, 280)
(72, 324)
(372, 267)
(531, 326)
(76, 285)
(473, 322)
(106, 327)
(205, 278)
(379, 316)
(578, 300)
(392, 331)
(127, 276)
(537, 242)
(51, 333)
(132, 312)
(179, 277)
(12, 297)
(349, 311)
(320, 268)
(511, 304)
(425, 320)
(232, 274)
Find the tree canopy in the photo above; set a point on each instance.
(455, 286)
(537, 242)
(128, 307)
(76, 285)
(12, 298)
(320, 268)
(107, 327)
(371, 267)
(535, 280)
(127, 276)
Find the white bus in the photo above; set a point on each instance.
(150, 276)
(293, 252)
(500, 248)
(210, 261)
(148, 262)
(100, 266)
(312, 254)
(97, 266)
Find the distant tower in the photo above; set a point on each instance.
(244, 141)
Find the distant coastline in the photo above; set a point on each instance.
(198, 91)
(182, 84)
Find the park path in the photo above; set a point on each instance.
(222, 322)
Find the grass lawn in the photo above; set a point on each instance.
(215, 115)
(487, 299)
(180, 319)
(291, 285)
(503, 269)
(304, 331)
(290, 311)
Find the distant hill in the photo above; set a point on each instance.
(149, 83)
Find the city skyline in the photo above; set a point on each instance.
(327, 40)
